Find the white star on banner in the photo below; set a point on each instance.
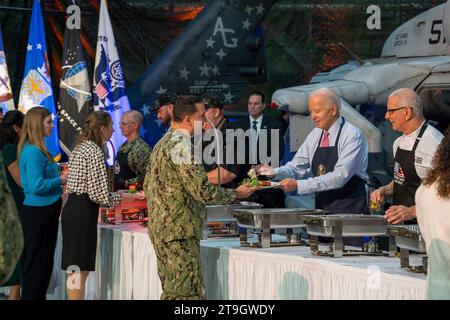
(221, 54)
(145, 109)
(260, 9)
(204, 70)
(29, 47)
(161, 90)
(246, 24)
(39, 46)
(215, 70)
(53, 117)
(184, 73)
(228, 96)
(248, 9)
(210, 43)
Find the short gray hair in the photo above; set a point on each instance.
(331, 95)
(409, 98)
(136, 116)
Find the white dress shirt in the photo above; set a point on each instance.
(352, 160)
(425, 149)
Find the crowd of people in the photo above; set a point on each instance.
(331, 164)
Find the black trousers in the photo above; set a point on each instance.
(269, 198)
(40, 230)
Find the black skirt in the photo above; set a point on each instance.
(79, 233)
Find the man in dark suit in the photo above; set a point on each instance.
(265, 149)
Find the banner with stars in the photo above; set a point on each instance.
(36, 89)
(74, 96)
(220, 52)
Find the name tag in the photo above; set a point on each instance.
(117, 168)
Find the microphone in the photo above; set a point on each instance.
(218, 149)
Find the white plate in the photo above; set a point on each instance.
(272, 185)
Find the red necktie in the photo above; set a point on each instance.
(325, 140)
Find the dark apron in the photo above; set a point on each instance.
(122, 171)
(352, 197)
(406, 179)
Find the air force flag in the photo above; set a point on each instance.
(36, 87)
(109, 85)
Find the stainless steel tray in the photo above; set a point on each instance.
(408, 237)
(224, 212)
(353, 225)
(278, 218)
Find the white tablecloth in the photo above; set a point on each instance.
(126, 269)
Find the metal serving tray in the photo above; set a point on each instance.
(346, 225)
(274, 218)
(223, 213)
(408, 237)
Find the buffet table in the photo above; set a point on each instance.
(126, 269)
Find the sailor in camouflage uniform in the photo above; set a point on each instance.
(11, 237)
(177, 189)
(133, 156)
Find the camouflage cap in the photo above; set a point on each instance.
(163, 100)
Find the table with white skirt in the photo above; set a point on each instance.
(126, 268)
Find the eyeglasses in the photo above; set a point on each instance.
(125, 123)
(391, 111)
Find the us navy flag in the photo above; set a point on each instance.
(75, 99)
(109, 84)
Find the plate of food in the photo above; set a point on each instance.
(268, 185)
(259, 184)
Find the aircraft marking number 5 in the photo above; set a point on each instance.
(436, 31)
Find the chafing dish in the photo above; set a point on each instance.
(263, 220)
(220, 221)
(408, 238)
(225, 212)
(340, 226)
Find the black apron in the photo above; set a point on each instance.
(122, 171)
(406, 179)
(352, 197)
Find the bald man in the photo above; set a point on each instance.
(331, 162)
(413, 154)
(133, 156)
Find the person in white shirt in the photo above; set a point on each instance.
(331, 162)
(433, 215)
(413, 153)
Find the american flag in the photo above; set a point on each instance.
(101, 89)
